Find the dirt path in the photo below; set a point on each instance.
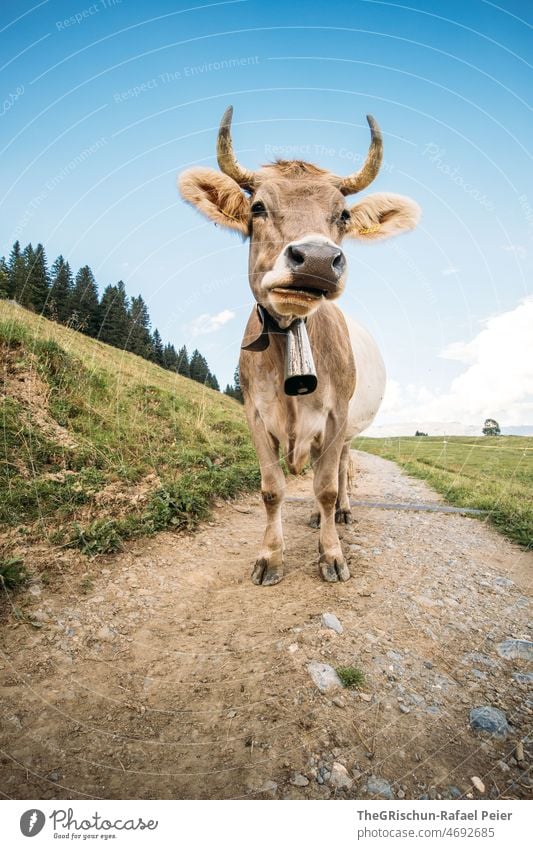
(175, 677)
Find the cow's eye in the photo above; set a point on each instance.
(258, 209)
(345, 216)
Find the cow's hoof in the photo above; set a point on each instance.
(343, 517)
(314, 521)
(265, 575)
(335, 571)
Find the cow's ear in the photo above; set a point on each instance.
(382, 215)
(216, 196)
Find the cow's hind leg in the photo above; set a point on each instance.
(343, 513)
(326, 481)
(268, 568)
(314, 519)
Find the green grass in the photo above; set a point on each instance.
(100, 422)
(351, 677)
(494, 474)
(13, 574)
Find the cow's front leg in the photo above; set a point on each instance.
(343, 512)
(268, 567)
(331, 563)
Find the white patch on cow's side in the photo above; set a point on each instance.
(370, 378)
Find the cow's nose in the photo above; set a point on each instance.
(316, 259)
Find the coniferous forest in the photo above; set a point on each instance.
(114, 317)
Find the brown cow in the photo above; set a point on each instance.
(295, 216)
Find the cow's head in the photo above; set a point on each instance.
(296, 217)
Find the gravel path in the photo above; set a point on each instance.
(173, 676)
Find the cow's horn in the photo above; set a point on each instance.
(361, 179)
(226, 158)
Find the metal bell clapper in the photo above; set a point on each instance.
(300, 372)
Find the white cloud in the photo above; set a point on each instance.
(446, 272)
(518, 250)
(497, 380)
(206, 323)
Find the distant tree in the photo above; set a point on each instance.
(114, 317)
(84, 309)
(157, 353)
(212, 381)
(39, 279)
(139, 336)
(183, 366)
(235, 390)
(37, 288)
(199, 367)
(23, 292)
(170, 357)
(14, 254)
(60, 293)
(4, 278)
(17, 273)
(237, 384)
(491, 428)
(420, 433)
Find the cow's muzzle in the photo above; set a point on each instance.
(315, 265)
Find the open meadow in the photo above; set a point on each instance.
(493, 474)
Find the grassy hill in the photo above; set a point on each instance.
(99, 445)
(494, 474)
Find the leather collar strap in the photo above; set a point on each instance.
(261, 340)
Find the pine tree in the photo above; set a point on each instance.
(35, 293)
(24, 291)
(170, 357)
(235, 391)
(4, 278)
(199, 367)
(157, 348)
(15, 254)
(212, 381)
(114, 319)
(17, 273)
(237, 385)
(139, 338)
(59, 297)
(39, 279)
(84, 311)
(183, 366)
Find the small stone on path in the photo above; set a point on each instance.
(490, 720)
(324, 676)
(340, 777)
(515, 649)
(478, 784)
(523, 677)
(329, 620)
(379, 787)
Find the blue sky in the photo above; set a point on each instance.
(104, 103)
